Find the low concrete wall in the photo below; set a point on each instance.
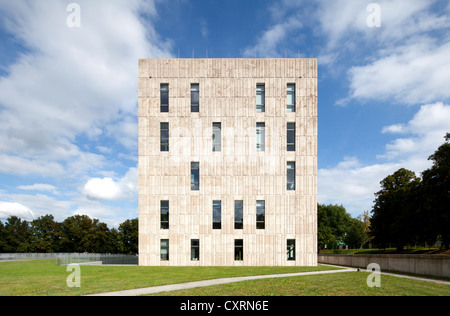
(433, 265)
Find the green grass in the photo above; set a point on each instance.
(44, 277)
(335, 284)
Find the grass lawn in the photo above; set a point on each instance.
(335, 284)
(44, 277)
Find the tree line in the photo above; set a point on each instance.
(77, 233)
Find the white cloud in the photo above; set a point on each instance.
(8, 209)
(267, 44)
(110, 190)
(412, 74)
(38, 187)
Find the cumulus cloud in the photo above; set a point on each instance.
(8, 209)
(108, 189)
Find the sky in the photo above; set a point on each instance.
(68, 90)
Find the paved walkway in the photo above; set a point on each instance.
(190, 285)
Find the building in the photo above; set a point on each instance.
(228, 162)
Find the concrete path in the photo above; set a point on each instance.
(190, 285)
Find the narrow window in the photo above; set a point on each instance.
(164, 249)
(290, 251)
(195, 250)
(217, 136)
(260, 97)
(238, 249)
(217, 214)
(164, 127)
(291, 97)
(164, 88)
(195, 97)
(291, 175)
(238, 215)
(290, 137)
(195, 178)
(164, 214)
(260, 214)
(260, 136)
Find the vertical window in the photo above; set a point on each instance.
(217, 136)
(260, 97)
(164, 130)
(195, 178)
(291, 175)
(290, 137)
(238, 249)
(238, 214)
(195, 97)
(290, 251)
(195, 250)
(260, 214)
(164, 214)
(217, 214)
(164, 89)
(164, 249)
(291, 97)
(260, 136)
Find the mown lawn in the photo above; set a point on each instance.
(335, 284)
(44, 277)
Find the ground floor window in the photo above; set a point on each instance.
(290, 249)
(238, 249)
(195, 250)
(164, 249)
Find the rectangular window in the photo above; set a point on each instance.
(217, 136)
(217, 214)
(164, 129)
(195, 250)
(164, 214)
(290, 172)
(260, 97)
(164, 249)
(260, 214)
(195, 176)
(195, 97)
(238, 214)
(290, 137)
(291, 97)
(164, 89)
(260, 136)
(238, 249)
(290, 251)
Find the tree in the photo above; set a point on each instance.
(356, 235)
(436, 194)
(333, 225)
(17, 235)
(46, 234)
(128, 236)
(395, 212)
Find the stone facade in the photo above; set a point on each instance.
(245, 167)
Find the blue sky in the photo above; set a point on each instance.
(68, 95)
